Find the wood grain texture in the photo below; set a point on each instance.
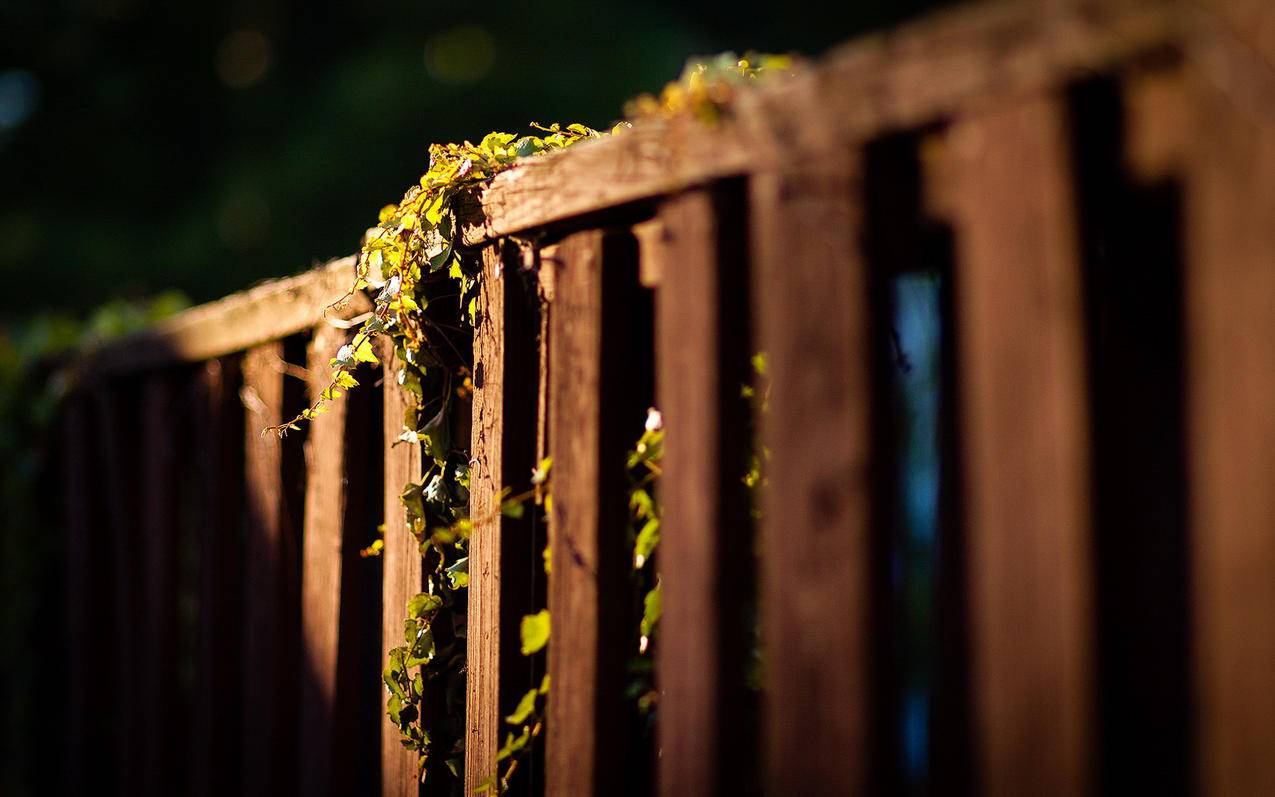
(1230, 320)
(596, 403)
(401, 574)
(214, 748)
(268, 725)
(267, 312)
(502, 551)
(117, 419)
(1020, 356)
(160, 537)
(705, 546)
(810, 293)
(486, 477)
(322, 555)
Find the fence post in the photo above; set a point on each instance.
(1018, 320)
(1230, 322)
(596, 405)
(501, 550)
(810, 295)
(705, 555)
(322, 552)
(269, 570)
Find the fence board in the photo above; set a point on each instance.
(214, 750)
(810, 292)
(321, 575)
(269, 555)
(402, 565)
(84, 720)
(705, 540)
(592, 420)
(1020, 350)
(1230, 321)
(160, 533)
(117, 421)
(501, 550)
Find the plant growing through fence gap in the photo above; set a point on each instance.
(415, 248)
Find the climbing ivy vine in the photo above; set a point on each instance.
(427, 305)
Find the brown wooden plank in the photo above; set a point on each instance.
(811, 304)
(267, 730)
(402, 566)
(595, 413)
(871, 86)
(1024, 431)
(84, 701)
(321, 571)
(1230, 320)
(161, 422)
(270, 311)
(214, 750)
(501, 550)
(117, 421)
(704, 555)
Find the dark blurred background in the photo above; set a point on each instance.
(147, 146)
(187, 150)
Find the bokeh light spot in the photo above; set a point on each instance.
(243, 58)
(463, 54)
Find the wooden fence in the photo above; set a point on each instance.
(1094, 184)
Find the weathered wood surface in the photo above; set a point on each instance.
(1021, 358)
(705, 547)
(501, 549)
(1229, 181)
(269, 554)
(810, 295)
(116, 419)
(84, 710)
(214, 752)
(402, 565)
(594, 415)
(161, 420)
(322, 556)
(269, 311)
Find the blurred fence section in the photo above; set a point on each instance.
(1069, 205)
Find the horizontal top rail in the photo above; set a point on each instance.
(269, 311)
(917, 74)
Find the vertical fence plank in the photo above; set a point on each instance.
(1230, 323)
(705, 544)
(402, 566)
(501, 550)
(117, 422)
(1019, 337)
(84, 721)
(158, 698)
(266, 721)
(321, 577)
(215, 728)
(810, 291)
(595, 413)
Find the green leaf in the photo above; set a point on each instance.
(647, 539)
(525, 706)
(534, 631)
(363, 352)
(459, 573)
(653, 607)
(514, 744)
(512, 509)
(420, 605)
